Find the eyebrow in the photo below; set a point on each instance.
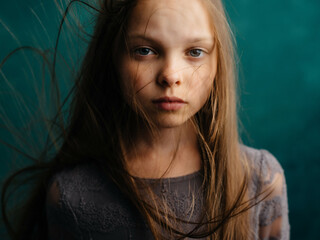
(188, 40)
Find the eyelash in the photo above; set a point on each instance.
(137, 52)
(196, 50)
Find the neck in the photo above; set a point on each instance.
(171, 152)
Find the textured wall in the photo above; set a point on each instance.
(279, 51)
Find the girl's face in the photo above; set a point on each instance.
(171, 61)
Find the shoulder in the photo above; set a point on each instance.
(64, 193)
(84, 177)
(268, 188)
(82, 200)
(66, 185)
(262, 162)
(265, 170)
(261, 159)
(80, 182)
(74, 202)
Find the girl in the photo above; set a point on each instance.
(152, 150)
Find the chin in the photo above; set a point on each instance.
(171, 122)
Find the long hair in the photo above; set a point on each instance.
(97, 131)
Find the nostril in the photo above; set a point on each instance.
(169, 80)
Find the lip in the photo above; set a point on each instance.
(169, 103)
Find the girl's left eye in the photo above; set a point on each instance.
(196, 52)
(143, 51)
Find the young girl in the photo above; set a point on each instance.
(152, 150)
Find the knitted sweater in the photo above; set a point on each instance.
(83, 204)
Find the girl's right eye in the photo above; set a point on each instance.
(143, 51)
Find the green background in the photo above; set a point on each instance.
(279, 52)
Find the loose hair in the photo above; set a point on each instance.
(97, 131)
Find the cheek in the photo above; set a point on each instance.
(135, 76)
(203, 78)
(202, 84)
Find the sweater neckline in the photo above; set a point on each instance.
(182, 178)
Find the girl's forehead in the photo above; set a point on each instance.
(178, 17)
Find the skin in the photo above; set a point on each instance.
(171, 53)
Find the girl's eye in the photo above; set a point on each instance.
(196, 53)
(143, 51)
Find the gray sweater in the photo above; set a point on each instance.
(82, 204)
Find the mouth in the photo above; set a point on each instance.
(169, 103)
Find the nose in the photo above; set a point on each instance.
(170, 73)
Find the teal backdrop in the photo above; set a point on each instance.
(279, 82)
